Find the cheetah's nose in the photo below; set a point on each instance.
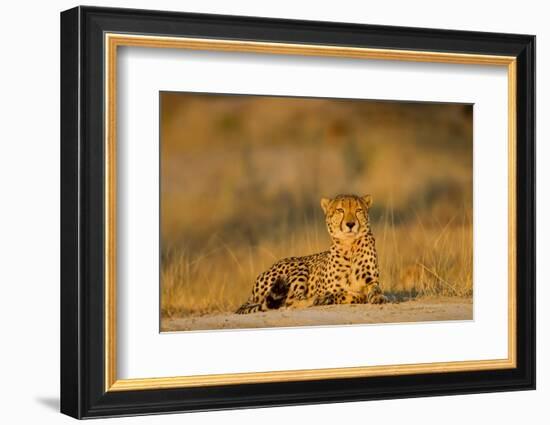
(350, 224)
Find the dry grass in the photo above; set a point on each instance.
(242, 178)
(414, 261)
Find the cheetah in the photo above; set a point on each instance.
(347, 273)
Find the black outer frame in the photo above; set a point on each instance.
(82, 212)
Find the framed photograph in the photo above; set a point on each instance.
(260, 212)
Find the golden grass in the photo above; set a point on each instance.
(415, 261)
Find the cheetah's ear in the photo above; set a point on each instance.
(325, 202)
(368, 200)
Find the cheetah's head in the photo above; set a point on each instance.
(347, 216)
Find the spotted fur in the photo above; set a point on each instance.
(347, 273)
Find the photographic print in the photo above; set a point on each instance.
(291, 211)
(321, 190)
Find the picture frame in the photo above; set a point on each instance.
(90, 40)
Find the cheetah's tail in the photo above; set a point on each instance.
(248, 308)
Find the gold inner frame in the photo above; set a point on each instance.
(113, 41)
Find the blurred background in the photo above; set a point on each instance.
(242, 177)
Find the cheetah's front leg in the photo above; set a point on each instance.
(374, 294)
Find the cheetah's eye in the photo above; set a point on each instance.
(340, 210)
(359, 210)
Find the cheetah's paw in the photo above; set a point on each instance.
(379, 299)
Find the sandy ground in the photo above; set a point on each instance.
(409, 311)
